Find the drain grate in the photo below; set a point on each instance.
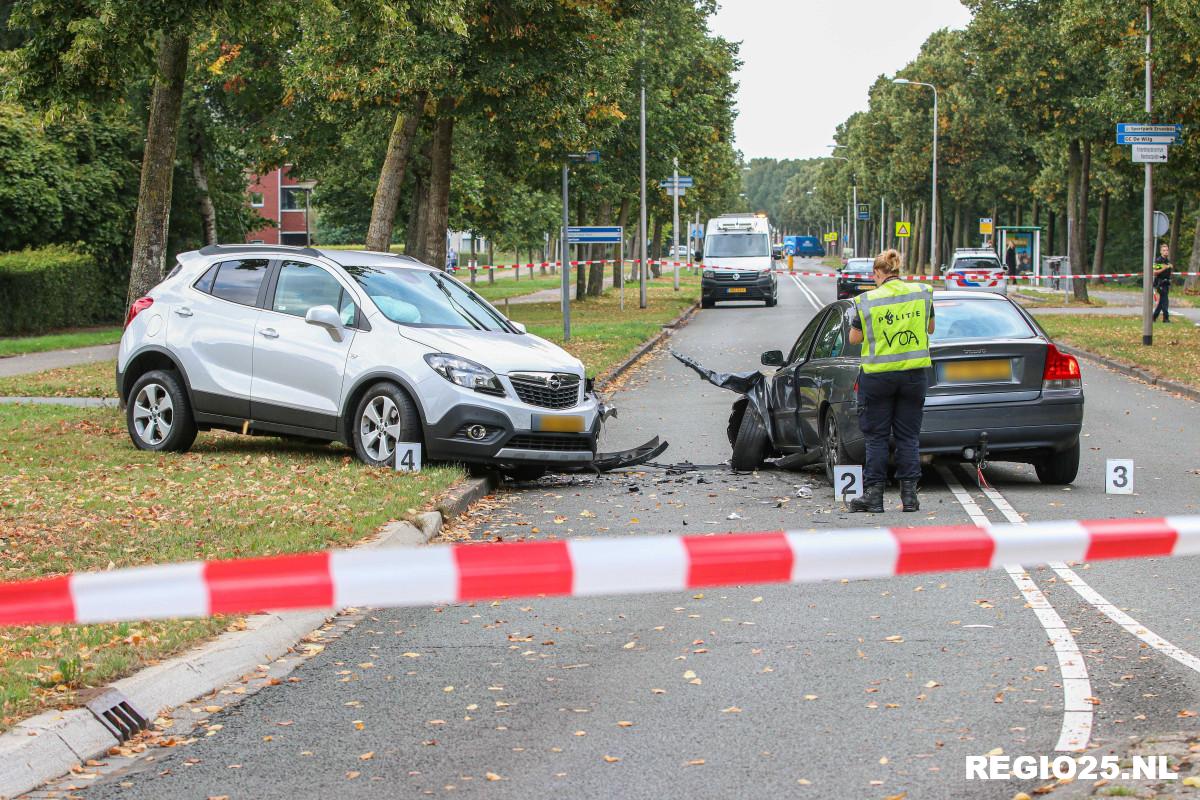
(116, 713)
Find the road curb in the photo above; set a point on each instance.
(48, 745)
(1132, 371)
(668, 329)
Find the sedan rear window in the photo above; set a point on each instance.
(983, 318)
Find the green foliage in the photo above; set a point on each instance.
(55, 287)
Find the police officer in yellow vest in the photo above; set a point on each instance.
(893, 323)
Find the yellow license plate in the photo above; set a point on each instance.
(737, 290)
(558, 423)
(983, 370)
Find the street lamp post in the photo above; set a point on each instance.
(933, 218)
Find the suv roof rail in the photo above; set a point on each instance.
(218, 249)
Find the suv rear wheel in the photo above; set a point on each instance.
(384, 416)
(158, 415)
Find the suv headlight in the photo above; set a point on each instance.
(465, 373)
(708, 273)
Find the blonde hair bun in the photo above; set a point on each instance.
(888, 262)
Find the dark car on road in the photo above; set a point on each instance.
(855, 277)
(998, 389)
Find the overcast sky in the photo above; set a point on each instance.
(807, 64)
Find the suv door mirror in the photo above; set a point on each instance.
(326, 317)
(772, 358)
(520, 326)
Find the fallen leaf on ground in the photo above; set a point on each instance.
(611, 759)
(696, 762)
(731, 710)
(491, 776)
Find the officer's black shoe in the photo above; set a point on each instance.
(908, 496)
(871, 500)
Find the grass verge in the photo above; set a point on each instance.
(1175, 354)
(1036, 300)
(97, 379)
(67, 340)
(505, 286)
(76, 495)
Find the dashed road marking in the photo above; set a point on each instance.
(1077, 720)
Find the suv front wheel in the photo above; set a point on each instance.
(384, 416)
(158, 415)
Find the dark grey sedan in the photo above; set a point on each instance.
(998, 390)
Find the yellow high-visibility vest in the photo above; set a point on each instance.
(895, 323)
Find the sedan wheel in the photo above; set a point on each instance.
(831, 443)
(153, 414)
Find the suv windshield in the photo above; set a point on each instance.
(426, 299)
(737, 245)
(970, 318)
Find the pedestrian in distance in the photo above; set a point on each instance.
(893, 324)
(1162, 283)
(1010, 259)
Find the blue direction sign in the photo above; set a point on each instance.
(1135, 127)
(684, 182)
(864, 211)
(594, 234)
(1142, 138)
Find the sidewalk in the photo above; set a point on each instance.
(53, 359)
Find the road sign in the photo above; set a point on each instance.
(1141, 138)
(587, 156)
(831, 236)
(676, 192)
(864, 211)
(1162, 223)
(594, 234)
(985, 226)
(903, 230)
(1134, 127)
(684, 181)
(1150, 153)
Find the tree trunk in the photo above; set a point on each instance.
(1191, 282)
(1176, 226)
(1051, 232)
(595, 283)
(414, 240)
(204, 203)
(622, 220)
(656, 247)
(438, 216)
(581, 253)
(491, 260)
(391, 176)
(1101, 235)
(158, 166)
(1077, 184)
(956, 236)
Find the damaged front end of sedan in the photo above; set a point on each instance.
(749, 430)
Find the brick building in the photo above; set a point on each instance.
(286, 202)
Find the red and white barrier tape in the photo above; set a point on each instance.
(810, 273)
(578, 567)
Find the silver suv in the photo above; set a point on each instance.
(366, 348)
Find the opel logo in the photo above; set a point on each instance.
(554, 381)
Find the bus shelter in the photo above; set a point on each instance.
(1026, 243)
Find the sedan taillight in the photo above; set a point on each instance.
(137, 307)
(1061, 371)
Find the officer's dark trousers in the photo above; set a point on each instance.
(890, 405)
(1164, 303)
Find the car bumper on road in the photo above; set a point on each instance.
(1014, 432)
(715, 290)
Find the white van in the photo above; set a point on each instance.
(737, 260)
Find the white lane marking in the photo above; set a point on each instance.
(1076, 727)
(808, 293)
(1097, 600)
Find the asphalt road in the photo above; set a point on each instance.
(864, 689)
